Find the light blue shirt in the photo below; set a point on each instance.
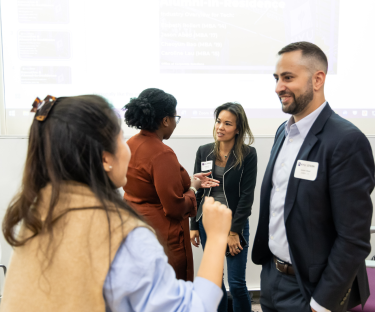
(295, 134)
(140, 279)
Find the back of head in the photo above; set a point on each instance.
(67, 146)
(147, 111)
(315, 57)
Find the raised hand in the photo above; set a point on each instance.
(217, 219)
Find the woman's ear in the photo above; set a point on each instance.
(107, 161)
(165, 121)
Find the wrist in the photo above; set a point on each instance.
(193, 189)
(218, 240)
(232, 233)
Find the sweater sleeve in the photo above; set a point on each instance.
(167, 175)
(200, 193)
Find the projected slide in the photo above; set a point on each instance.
(204, 52)
(234, 36)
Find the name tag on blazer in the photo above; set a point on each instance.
(306, 170)
(206, 165)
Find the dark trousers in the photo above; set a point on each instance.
(236, 267)
(280, 292)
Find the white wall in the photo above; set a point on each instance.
(12, 158)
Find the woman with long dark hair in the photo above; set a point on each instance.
(159, 188)
(234, 163)
(80, 247)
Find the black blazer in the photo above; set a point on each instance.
(328, 220)
(239, 184)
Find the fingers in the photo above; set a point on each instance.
(234, 245)
(194, 237)
(208, 184)
(234, 250)
(194, 243)
(209, 180)
(231, 249)
(213, 180)
(206, 174)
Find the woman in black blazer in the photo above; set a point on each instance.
(234, 164)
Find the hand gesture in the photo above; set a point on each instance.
(206, 182)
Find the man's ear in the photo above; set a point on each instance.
(107, 161)
(318, 80)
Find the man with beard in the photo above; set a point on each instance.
(315, 208)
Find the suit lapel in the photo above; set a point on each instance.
(293, 183)
(303, 154)
(271, 163)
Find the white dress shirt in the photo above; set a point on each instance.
(295, 134)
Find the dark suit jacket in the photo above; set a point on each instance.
(239, 184)
(328, 220)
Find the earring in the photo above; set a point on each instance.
(110, 167)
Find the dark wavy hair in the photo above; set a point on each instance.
(147, 111)
(243, 128)
(67, 146)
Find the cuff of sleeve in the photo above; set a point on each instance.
(317, 307)
(194, 202)
(194, 225)
(236, 229)
(208, 292)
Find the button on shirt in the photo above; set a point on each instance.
(295, 134)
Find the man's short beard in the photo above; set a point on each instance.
(300, 103)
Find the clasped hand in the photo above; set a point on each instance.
(234, 244)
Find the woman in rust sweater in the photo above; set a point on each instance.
(158, 187)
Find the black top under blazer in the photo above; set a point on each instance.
(327, 220)
(239, 185)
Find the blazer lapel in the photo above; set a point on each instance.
(303, 154)
(231, 161)
(211, 157)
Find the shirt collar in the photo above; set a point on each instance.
(305, 124)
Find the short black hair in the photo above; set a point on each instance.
(148, 110)
(308, 49)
